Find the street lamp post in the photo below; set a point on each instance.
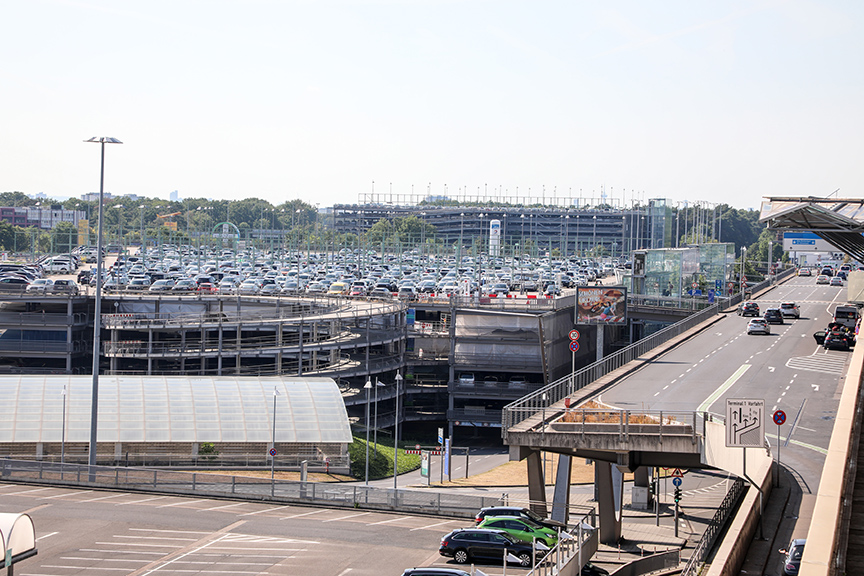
(594, 236)
(94, 401)
(141, 218)
(120, 207)
(378, 384)
(273, 437)
(368, 387)
(396, 434)
(63, 429)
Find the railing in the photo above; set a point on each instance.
(524, 408)
(578, 545)
(714, 528)
(245, 488)
(653, 563)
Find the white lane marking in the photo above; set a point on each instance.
(787, 387)
(345, 571)
(183, 502)
(430, 526)
(26, 491)
(136, 537)
(304, 514)
(46, 536)
(66, 494)
(723, 388)
(103, 498)
(390, 520)
(346, 517)
(141, 501)
(666, 386)
(673, 381)
(169, 531)
(222, 507)
(656, 393)
(265, 510)
(86, 568)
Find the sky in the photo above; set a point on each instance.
(326, 100)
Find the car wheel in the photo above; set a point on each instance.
(460, 556)
(524, 559)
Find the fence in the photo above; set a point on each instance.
(714, 528)
(198, 484)
(653, 563)
(579, 546)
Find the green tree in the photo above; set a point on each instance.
(64, 237)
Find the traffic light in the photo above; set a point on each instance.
(677, 495)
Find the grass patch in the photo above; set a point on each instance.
(380, 462)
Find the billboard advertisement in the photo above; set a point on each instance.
(601, 305)
(495, 238)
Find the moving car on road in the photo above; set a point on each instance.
(835, 281)
(790, 310)
(793, 556)
(822, 279)
(748, 309)
(758, 326)
(773, 316)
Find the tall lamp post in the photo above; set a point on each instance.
(141, 219)
(368, 387)
(273, 437)
(120, 208)
(63, 429)
(94, 401)
(396, 434)
(378, 384)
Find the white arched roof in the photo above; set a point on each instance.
(173, 409)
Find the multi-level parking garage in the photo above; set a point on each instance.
(574, 229)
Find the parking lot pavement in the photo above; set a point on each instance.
(105, 532)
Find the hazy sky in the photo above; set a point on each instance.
(717, 101)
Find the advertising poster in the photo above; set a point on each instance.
(601, 305)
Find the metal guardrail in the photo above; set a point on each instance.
(714, 528)
(199, 484)
(579, 547)
(524, 408)
(653, 563)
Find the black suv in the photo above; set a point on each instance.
(467, 544)
(773, 316)
(748, 309)
(432, 571)
(518, 513)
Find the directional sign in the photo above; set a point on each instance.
(440, 435)
(273, 452)
(676, 482)
(574, 335)
(677, 473)
(779, 417)
(574, 346)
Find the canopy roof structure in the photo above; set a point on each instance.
(839, 221)
(173, 409)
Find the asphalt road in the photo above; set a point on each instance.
(787, 368)
(103, 532)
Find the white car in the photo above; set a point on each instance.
(42, 285)
(758, 326)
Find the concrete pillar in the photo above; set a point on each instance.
(536, 483)
(561, 497)
(641, 495)
(609, 481)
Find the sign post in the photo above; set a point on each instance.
(574, 347)
(779, 418)
(745, 428)
(424, 466)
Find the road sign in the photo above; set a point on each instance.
(273, 452)
(779, 417)
(695, 285)
(676, 482)
(417, 446)
(677, 473)
(743, 278)
(574, 335)
(441, 436)
(574, 346)
(745, 422)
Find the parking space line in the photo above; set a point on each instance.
(67, 494)
(142, 501)
(87, 568)
(389, 520)
(221, 507)
(169, 531)
(346, 517)
(183, 502)
(265, 510)
(304, 514)
(103, 498)
(28, 491)
(430, 526)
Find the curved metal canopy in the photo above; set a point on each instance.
(839, 221)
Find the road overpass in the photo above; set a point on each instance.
(787, 369)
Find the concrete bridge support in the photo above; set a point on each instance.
(610, 484)
(641, 495)
(561, 497)
(536, 483)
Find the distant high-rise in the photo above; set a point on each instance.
(174, 196)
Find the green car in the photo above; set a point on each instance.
(521, 529)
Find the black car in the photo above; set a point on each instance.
(435, 571)
(773, 316)
(519, 513)
(837, 339)
(748, 309)
(467, 544)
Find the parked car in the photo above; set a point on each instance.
(466, 379)
(521, 529)
(40, 286)
(758, 326)
(13, 284)
(138, 284)
(64, 286)
(790, 310)
(748, 309)
(164, 285)
(437, 571)
(207, 288)
(793, 553)
(518, 512)
(773, 316)
(838, 339)
(185, 285)
(467, 544)
(248, 287)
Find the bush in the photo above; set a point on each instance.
(380, 463)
